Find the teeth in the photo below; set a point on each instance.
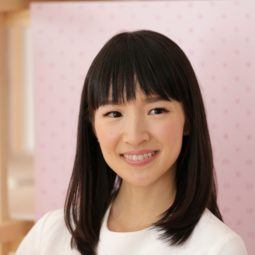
(139, 157)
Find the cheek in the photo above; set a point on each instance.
(170, 133)
(106, 136)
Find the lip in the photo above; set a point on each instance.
(142, 162)
(138, 152)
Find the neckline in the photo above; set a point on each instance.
(111, 232)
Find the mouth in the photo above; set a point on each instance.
(140, 160)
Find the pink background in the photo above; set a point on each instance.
(219, 39)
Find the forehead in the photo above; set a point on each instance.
(143, 99)
(139, 96)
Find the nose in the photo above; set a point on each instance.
(136, 131)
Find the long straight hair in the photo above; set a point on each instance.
(160, 67)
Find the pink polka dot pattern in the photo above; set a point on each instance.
(221, 47)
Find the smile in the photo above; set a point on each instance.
(140, 160)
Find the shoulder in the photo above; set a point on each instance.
(50, 222)
(215, 237)
(49, 229)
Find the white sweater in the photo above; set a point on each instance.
(210, 237)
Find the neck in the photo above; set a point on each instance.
(139, 206)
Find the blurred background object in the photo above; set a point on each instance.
(16, 125)
(20, 115)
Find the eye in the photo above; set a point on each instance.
(159, 110)
(114, 113)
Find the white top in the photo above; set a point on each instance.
(210, 237)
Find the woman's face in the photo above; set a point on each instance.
(140, 125)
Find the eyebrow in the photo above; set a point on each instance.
(147, 100)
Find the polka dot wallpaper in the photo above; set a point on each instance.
(219, 39)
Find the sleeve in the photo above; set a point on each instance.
(232, 246)
(31, 242)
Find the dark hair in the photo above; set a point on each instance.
(160, 67)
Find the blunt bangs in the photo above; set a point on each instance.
(128, 61)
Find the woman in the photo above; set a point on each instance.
(143, 178)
